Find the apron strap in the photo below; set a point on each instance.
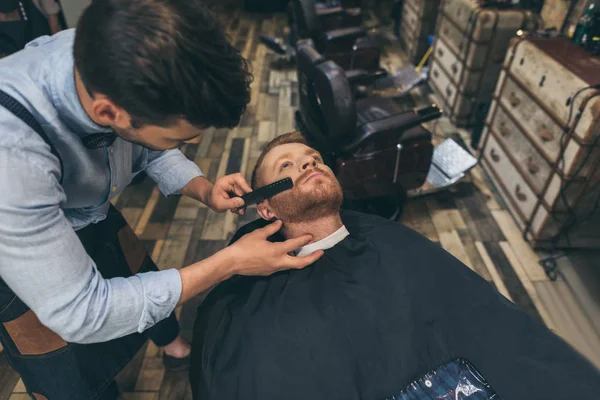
(19, 111)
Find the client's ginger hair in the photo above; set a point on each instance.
(286, 138)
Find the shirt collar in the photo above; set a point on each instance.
(66, 100)
(325, 243)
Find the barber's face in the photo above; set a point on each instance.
(316, 191)
(161, 138)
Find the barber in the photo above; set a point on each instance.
(82, 112)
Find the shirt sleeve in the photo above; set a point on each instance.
(43, 261)
(49, 7)
(171, 170)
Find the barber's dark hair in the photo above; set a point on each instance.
(286, 138)
(161, 60)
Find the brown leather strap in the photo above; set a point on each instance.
(31, 337)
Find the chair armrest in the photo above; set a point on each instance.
(342, 39)
(364, 77)
(392, 124)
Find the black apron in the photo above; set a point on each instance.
(50, 367)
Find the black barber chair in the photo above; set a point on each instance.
(348, 47)
(376, 149)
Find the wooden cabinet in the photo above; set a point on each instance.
(541, 141)
(470, 45)
(417, 24)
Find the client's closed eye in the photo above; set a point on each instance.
(285, 165)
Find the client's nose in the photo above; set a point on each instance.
(309, 163)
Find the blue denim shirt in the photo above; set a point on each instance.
(41, 258)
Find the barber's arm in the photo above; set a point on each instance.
(174, 173)
(51, 8)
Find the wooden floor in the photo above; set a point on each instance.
(470, 222)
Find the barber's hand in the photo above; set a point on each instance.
(226, 191)
(253, 254)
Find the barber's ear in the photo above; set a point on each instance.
(265, 212)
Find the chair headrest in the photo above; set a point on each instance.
(306, 18)
(336, 100)
(307, 58)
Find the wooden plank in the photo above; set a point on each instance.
(526, 256)
(480, 180)
(139, 396)
(266, 131)
(19, 396)
(8, 378)
(136, 195)
(477, 264)
(514, 286)
(451, 242)
(147, 213)
(565, 326)
(131, 215)
(492, 270)
(267, 107)
(477, 216)
(420, 220)
(527, 284)
(151, 375)
(186, 213)
(127, 378)
(174, 248)
(175, 386)
(207, 139)
(20, 387)
(155, 231)
(165, 209)
(158, 246)
(285, 115)
(234, 163)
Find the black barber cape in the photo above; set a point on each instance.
(377, 311)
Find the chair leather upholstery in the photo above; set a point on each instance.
(360, 138)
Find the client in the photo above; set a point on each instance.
(383, 314)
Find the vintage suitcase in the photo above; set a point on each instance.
(417, 24)
(469, 48)
(541, 141)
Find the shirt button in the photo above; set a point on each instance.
(114, 188)
(428, 383)
(111, 150)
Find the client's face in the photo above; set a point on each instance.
(316, 192)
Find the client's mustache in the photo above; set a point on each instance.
(306, 174)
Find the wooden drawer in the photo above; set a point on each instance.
(510, 183)
(425, 9)
(533, 165)
(419, 26)
(540, 127)
(553, 84)
(467, 80)
(486, 24)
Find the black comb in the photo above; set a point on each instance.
(262, 193)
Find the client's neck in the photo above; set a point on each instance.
(319, 228)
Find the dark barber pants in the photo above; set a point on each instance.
(54, 369)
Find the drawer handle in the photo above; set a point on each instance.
(445, 31)
(460, 46)
(495, 157)
(532, 167)
(514, 100)
(545, 134)
(520, 195)
(504, 131)
(448, 92)
(435, 73)
(454, 69)
(440, 53)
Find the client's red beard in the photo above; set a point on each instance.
(296, 205)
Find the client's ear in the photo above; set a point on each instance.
(265, 211)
